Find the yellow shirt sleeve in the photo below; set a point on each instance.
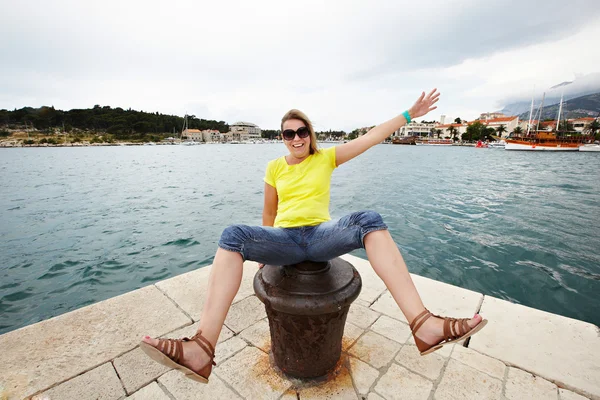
(269, 174)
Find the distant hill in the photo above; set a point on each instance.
(584, 106)
(123, 124)
(582, 85)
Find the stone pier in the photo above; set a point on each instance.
(93, 353)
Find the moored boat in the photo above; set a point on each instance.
(435, 142)
(497, 145)
(409, 140)
(544, 141)
(590, 147)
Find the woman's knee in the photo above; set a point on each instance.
(233, 237)
(368, 219)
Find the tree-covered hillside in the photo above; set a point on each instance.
(122, 124)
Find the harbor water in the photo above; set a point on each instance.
(80, 225)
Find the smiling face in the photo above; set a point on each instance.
(299, 148)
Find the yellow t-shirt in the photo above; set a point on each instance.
(302, 189)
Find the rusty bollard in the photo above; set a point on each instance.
(307, 305)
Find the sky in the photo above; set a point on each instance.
(346, 64)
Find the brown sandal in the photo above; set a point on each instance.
(454, 330)
(170, 351)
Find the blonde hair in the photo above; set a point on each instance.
(299, 115)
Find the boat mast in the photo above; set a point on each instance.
(185, 126)
(559, 111)
(530, 111)
(541, 112)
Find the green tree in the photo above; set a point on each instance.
(594, 129)
(518, 130)
(474, 132)
(458, 120)
(500, 130)
(452, 130)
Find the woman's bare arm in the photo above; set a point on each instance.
(348, 151)
(270, 206)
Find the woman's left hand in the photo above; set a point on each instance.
(424, 104)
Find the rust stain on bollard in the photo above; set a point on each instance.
(307, 305)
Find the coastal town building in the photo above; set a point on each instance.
(192, 134)
(211, 135)
(580, 124)
(206, 135)
(445, 128)
(242, 131)
(491, 115)
(415, 129)
(510, 123)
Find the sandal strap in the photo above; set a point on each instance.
(204, 345)
(455, 328)
(414, 321)
(173, 348)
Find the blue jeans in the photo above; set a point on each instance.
(284, 246)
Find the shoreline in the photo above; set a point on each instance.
(521, 348)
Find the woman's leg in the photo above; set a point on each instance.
(223, 284)
(367, 229)
(388, 263)
(262, 244)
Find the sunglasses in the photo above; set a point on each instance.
(290, 134)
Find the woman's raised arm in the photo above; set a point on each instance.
(347, 151)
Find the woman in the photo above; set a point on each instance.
(297, 227)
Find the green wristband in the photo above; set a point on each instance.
(407, 116)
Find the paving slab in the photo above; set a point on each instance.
(101, 383)
(39, 356)
(459, 381)
(392, 329)
(245, 313)
(340, 387)
(374, 349)
(247, 285)
(439, 298)
(137, 370)
(291, 394)
(374, 396)
(150, 392)
(188, 290)
(361, 316)
(182, 388)
(190, 330)
(372, 285)
(568, 395)
(429, 366)
(363, 375)
(401, 384)
(228, 348)
(491, 366)
(259, 335)
(523, 385)
(560, 349)
(351, 334)
(250, 373)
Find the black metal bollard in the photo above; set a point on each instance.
(307, 305)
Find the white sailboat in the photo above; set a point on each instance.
(594, 147)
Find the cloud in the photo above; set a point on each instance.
(347, 64)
